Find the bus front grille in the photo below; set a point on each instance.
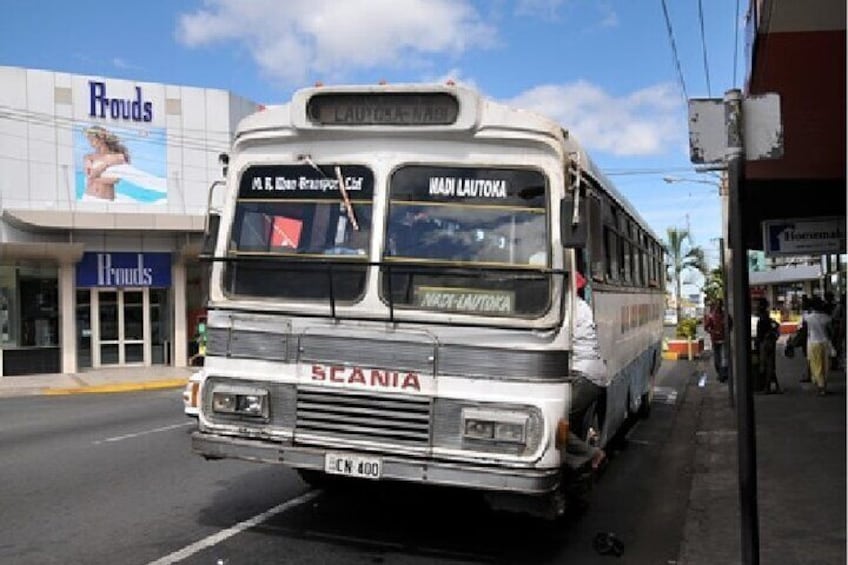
(371, 418)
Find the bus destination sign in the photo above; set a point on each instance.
(385, 109)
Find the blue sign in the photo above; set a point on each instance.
(101, 106)
(124, 270)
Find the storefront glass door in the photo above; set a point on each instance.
(123, 320)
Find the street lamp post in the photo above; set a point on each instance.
(721, 184)
(725, 259)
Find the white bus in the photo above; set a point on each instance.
(392, 291)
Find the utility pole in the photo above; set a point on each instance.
(723, 134)
(726, 256)
(746, 437)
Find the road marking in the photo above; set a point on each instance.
(215, 539)
(144, 433)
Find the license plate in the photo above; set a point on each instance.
(353, 465)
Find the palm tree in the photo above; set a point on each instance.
(714, 285)
(682, 256)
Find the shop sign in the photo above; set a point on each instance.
(121, 269)
(811, 236)
(101, 105)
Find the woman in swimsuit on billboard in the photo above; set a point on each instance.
(108, 151)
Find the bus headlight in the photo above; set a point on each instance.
(502, 426)
(483, 429)
(240, 401)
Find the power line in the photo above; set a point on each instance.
(201, 141)
(674, 52)
(704, 47)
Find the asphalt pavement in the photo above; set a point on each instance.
(800, 456)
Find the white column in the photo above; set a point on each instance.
(180, 339)
(68, 317)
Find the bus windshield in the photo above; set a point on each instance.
(299, 212)
(468, 240)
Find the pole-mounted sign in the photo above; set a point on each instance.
(804, 236)
(761, 128)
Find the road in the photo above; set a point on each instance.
(110, 479)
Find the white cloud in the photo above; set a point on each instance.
(454, 75)
(295, 39)
(644, 122)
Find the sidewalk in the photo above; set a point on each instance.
(117, 379)
(801, 473)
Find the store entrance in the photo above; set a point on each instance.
(122, 327)
(122, 318)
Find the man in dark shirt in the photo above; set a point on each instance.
(714, 326)
(766, 339)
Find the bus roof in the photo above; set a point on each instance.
(474, 112)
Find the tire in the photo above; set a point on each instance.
(645, 407)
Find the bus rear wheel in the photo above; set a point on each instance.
(645, 406)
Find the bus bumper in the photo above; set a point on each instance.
(523, 481)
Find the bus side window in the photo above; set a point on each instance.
(611, 252)
(596, 239)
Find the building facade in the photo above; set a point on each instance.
(104, 185)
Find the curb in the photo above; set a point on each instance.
(117, 387)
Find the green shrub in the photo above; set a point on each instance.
(687, 328)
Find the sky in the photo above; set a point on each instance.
(615, 73)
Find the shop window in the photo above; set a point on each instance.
(8, 306)
(29, 305)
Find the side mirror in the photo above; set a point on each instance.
(573, 235)
(210, 236)
(213, 216)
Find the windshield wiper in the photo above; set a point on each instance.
(342, 189)
(345, 199)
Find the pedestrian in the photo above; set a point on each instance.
(589, 379)
(200, 338)
(714, 326)
(799, 339)
(818, 343)
(766, 340)
(829, 303)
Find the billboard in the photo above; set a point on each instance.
(123, 164)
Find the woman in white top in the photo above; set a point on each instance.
(818, 343)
